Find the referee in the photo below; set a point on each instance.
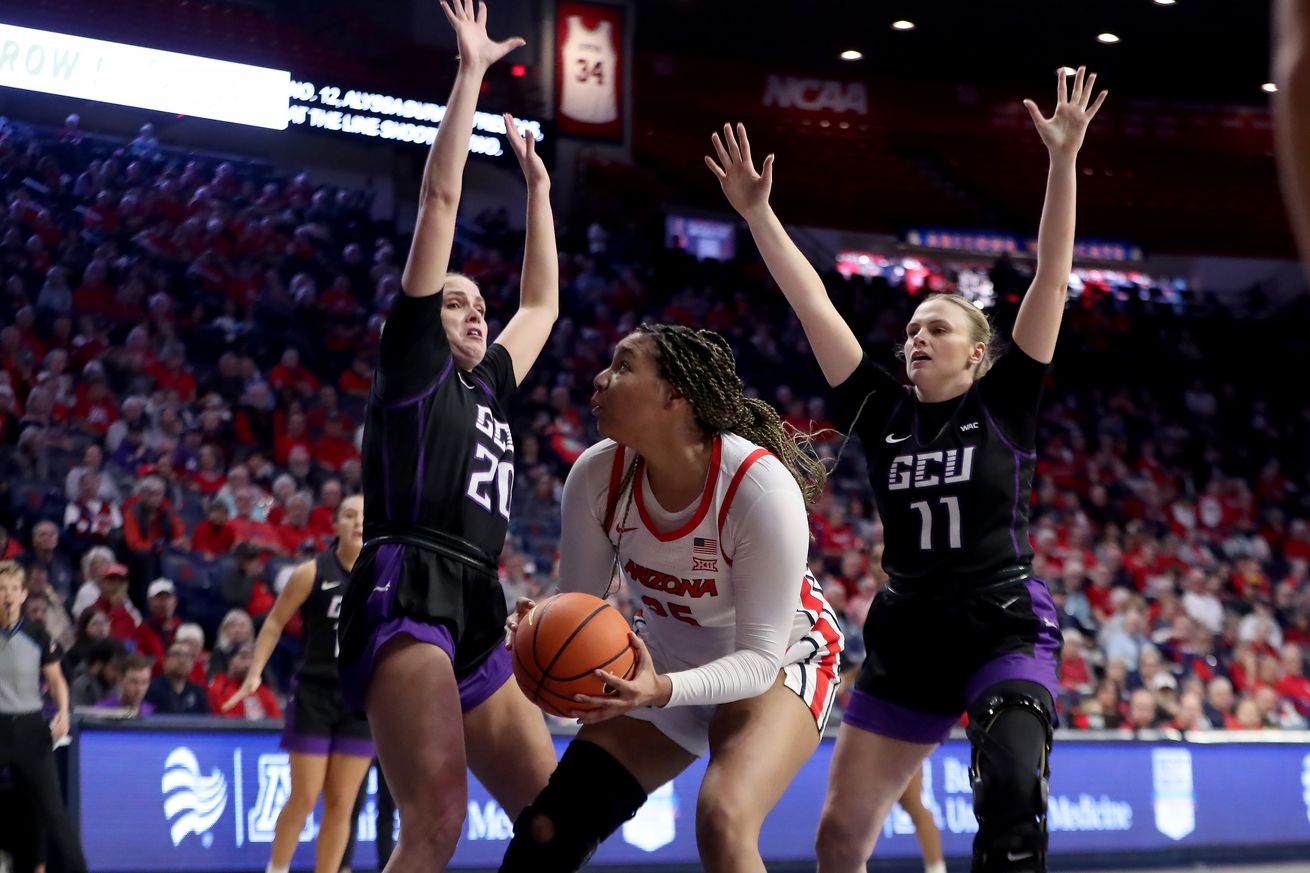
(27, 655)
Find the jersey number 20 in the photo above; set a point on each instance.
(952, 505)
(495, 471)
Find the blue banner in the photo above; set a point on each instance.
(166, 800)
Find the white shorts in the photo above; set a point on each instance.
(811, 672)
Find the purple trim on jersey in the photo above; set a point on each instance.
(418, 475)
(1040, 666)
(1001, 434)
(1014, 510)
(485, 390)
(887, 719)
(426, 392)
(386, 566)
(476, 687)
(1019, 457)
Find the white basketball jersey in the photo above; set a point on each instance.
(682, 579)
(589, 59)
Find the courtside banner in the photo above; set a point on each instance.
(129, 75)
(203, 799)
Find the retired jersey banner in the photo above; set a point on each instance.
(589, 70)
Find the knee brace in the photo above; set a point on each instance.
(1010, 731)
(589, 796)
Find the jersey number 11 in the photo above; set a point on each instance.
(952, 505)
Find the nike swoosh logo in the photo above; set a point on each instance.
(328, 586)
(1017, 856)
(892, 439)
(625, 529)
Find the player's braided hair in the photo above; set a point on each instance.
(700, 364)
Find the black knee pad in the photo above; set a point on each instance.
(589, 796)
(1010, 731)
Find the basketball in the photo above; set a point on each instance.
(561, 641)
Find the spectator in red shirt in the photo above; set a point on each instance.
(295, 433)
(256, 421)
(123, 616)
(357, 381)
(337, 445)
(257, 706)
(249, 530)
(94, 295)
(155, 634)
(1294, 685)
(96, 409)
(329, 498)
(296, 527)
(149, 523)
(290, 374)
(208, 477)
(214, 535)
(173, 372)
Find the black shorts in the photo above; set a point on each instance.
(931, 654)
(318, 722)
(435, 597)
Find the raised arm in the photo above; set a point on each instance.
(527, 332)
(296, 592)
(834, 343)
(1037, 326)
(1292, 114)
(443, 175)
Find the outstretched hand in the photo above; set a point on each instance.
(747, 190)
(1063, 132)
(525, 149)
(477, 50)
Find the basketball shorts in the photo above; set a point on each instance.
(932, 653)
(318, 722)
(810, 671)
(402, 589)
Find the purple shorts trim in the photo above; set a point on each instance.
(1041, 666)
(474, 688)
(887, 719)
(324, 746)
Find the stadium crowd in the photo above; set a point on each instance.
(185, 350)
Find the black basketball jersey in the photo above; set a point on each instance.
(951, 480)
(319, 615)
(437, 453)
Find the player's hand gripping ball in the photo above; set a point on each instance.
(561, 642)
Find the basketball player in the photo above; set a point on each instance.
(330, 748)
(961, 625)
(696, 498)
(423, 618)
(1292, 113)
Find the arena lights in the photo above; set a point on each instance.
(1269, 88)
(1107, 38)
(129, 75)
(902, 24)
(852, 55)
